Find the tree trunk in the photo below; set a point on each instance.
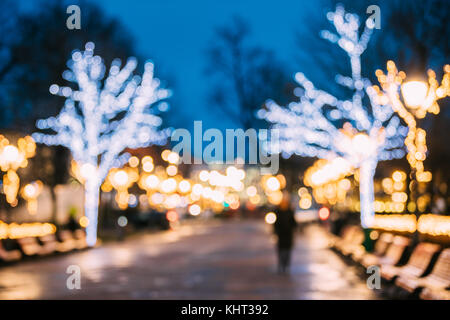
(366, 192)
(91, 194)
(54, 205)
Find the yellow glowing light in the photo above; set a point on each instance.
(282, 180)
(240, 174)
(231, 171)
(395, 222)
(10, 154)
(373, 235)
(195, 210)
(11, 187)
(362, 145)
(399, 176)
(270, 218)
(411, 206)
(399, 197)
(204, 175)
(133, 161)
(147, 159)
(235, 205)
(30, 193)
(172, 170)
(173, 157)
(197, 189)
(399, 186)
(275, 198)
(11, 159)
(434, 225)
(169, 185)
(324, 171)
(425, 176)
(30, 190)
(324, 213)
(165, 155)
(302, 191)
(255, 199)
(156, 198)
(273, 184)
(83, 221)
(87, 170)
(184, 186)
(421, 98)
(251, 191)
(344, 184)
(120, 178)
(305, 203)
(148, 166)
(152, 181)
(25, 230)
(414, 93)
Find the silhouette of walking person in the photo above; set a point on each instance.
(284, 228)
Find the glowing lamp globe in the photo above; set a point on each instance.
(30, 191)
(10, 154)
(120, 178)
(414, 93)
(87, 171)
(362, 145)
(273, 184)
(270, 218)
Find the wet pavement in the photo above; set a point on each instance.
(220, 260)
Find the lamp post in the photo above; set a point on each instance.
(419, 98)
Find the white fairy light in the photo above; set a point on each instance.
(102, 118)
(312, 126)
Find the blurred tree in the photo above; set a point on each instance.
(46, 42)
(34, 49)
(245, 75)
(414, 34)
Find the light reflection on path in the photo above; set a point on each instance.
(230, 260)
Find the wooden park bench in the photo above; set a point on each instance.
(380, 248)
(347, 237)
(435, 294)
(354, 244)
(418, 265)
(29, 246)
(66, 241)
(49, 244)
(9, 255)
(438, 279)
(394, 254)
(80, 238)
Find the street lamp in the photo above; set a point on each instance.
(414, 93)
(419, 99)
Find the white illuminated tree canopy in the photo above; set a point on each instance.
(103, 117)
(358, 129)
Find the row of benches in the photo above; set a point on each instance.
(63, 241)
(420, 271)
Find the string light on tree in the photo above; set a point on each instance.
(30, 193)
(311, 127)
(419, 99)
(13, 158)
(103, 117)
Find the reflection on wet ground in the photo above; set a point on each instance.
(230, 260)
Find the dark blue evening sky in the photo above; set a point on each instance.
(176, 33)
